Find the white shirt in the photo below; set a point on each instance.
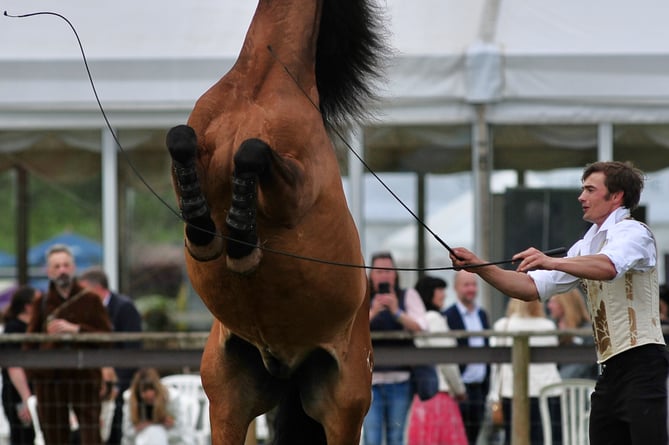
(540, 374)
(628, 244)
(449, 374)
(473, 372)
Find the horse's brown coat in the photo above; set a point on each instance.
(285, 307)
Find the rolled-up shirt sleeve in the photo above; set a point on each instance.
(551, 282)
(630, 246)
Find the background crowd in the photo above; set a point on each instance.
(141, 410)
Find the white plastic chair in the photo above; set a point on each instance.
(4, 423)
(574, 397)
(32, 407)
(190, 385)
(4, 429)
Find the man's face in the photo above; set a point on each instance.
(466, 287)
(595, 199)
(60, 269)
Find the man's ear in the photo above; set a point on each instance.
(618, 197)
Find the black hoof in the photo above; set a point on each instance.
(182, 143)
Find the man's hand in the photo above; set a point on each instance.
(60, 326)
(533, 259)
(463, 258)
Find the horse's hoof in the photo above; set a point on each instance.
(181, 141)
(247, 264)
(204, 253)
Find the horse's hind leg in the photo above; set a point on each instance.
(252, 162)
(338, 395)
(201, 238)
(237, 385)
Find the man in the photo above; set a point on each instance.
(616, 260)
(67, 308)
(465, 314)
(124, 317)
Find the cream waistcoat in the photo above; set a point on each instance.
(624, 312)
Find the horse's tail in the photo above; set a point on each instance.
(351, 49)
(292, 425)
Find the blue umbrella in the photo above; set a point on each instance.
(7, 260)
(86, 251)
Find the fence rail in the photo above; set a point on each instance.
(170, 349)
(184, 350)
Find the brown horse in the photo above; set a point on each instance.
(256, 174)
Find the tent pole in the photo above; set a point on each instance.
(355, 177)
(109, 208)
(605, 141)
(22, 223)
(420, 242)
(481, 164)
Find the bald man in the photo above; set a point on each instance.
(466, 314)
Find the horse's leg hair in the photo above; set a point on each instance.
(182, 144)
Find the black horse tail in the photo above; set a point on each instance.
(350, 54)
(292, 425)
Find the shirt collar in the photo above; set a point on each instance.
(615, 217)
(463, 309)
(105, 300)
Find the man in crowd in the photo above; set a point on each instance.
(67, 308)
(466, 314)
(124, 317)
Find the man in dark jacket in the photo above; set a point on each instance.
(67, 307)
(465, 314)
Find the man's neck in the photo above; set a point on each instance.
(469, 305)
(64, 291)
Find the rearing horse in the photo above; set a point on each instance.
(256, 174)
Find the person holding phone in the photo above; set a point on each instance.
(391, 309)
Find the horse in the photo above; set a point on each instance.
(259, 188)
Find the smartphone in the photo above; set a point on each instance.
(384, 288)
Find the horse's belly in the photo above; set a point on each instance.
(285, 309)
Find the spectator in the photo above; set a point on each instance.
(437, 421)
(391, 309)
(526, 316)
(569, 312)
(465, 314)
(124, 317)
(15, 388)
(67, 308)
(154, 414)
(664, 309)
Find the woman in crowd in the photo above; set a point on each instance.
(569, 312)
(526, 316)
(15, 388)
(391, 309)
(154, 414)
(437, 421)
